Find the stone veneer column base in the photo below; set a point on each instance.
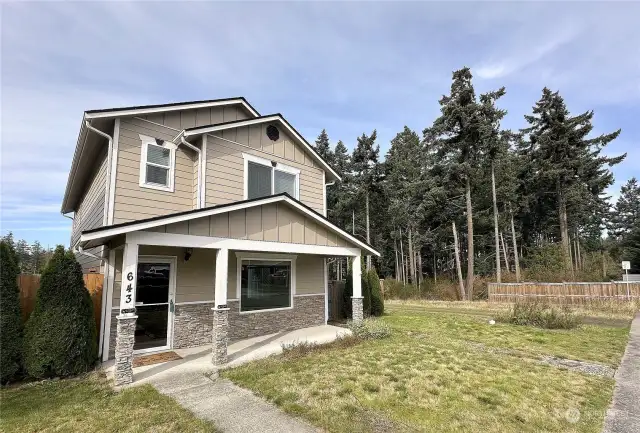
(357, 308)
(220, 336)
(125, 337)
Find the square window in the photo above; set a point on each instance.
(265, 285)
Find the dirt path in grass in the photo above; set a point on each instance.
(623, 415)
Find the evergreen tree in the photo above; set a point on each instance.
(10, 316)
(323, 147)
(60, 335)
(377, 303)
(565, 164)
(626, 213)
(366, 175)
(632, 248)
(458, 135)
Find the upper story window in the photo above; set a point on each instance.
(264, 178)
(157, 164)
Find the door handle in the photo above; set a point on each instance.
(171, 306)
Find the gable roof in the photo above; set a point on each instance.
(188, 105)
(277, 117)
(102, 233)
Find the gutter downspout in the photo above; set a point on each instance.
(195, 149)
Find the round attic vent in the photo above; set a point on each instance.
(273, 133)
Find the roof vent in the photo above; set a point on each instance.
(273, 133)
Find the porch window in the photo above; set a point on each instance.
(264, 178)
(265, 285)
(157, 162)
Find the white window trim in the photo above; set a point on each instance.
(256, 256)
(146, 141)
(267, 163)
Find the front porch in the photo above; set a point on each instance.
(215, 275)
(198, 359)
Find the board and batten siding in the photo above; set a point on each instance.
(225, 164)
(133, 202)
(195, 278)
(90, 213)
(274, 222)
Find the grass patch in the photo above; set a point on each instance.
(89, 404)
(439, 371)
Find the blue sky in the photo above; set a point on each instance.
(348, 67)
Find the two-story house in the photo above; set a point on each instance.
(208, 221)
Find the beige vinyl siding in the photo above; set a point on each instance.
(274, 222)
(194, 278)
(225, 165)
(90, 212)
(309, 275)
(133, 202)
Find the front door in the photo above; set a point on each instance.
(154, 303)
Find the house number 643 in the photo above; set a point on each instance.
(129, 289)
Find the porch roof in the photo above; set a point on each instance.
(101, 235)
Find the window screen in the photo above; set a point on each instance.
(158, 163)
(265, 285)
(284, 182)
(259, 181)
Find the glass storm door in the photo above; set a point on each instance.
(154, 305)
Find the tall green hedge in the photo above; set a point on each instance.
(377, 303)
(60, 335)
(10, 318)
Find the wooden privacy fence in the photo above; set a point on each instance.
(336, 300)
(29, 285)
(565, 293)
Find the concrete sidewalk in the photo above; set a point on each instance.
(232, 409)
(623, 415)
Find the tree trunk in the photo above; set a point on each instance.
(506, 254)
(579, 252)
(495, 223)
(419, 259)
(470, 251)
(515, 247)
(604, 266)
(457, 254)
(435, 267)
(564, 229)
(366, 203)
(395, 249)
(412, 257)
(404, 280)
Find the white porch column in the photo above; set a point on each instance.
(220, 310)
(357, 299)
(125, 334)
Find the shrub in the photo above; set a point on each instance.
(10, 317)
(541, 315)
(370, 329)
(377, 303)
(60, 335)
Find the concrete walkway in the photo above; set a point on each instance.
(231, 408)
(623, 415)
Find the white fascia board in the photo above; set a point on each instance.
(163, 109)
(208, 212)
(192, 241)
(279, 119)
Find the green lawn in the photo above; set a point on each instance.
(90, 405)
(445, 371)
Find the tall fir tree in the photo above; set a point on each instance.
(366, 175)
(564, 162)
(323, 147)
(626, 212)
(11, 331)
